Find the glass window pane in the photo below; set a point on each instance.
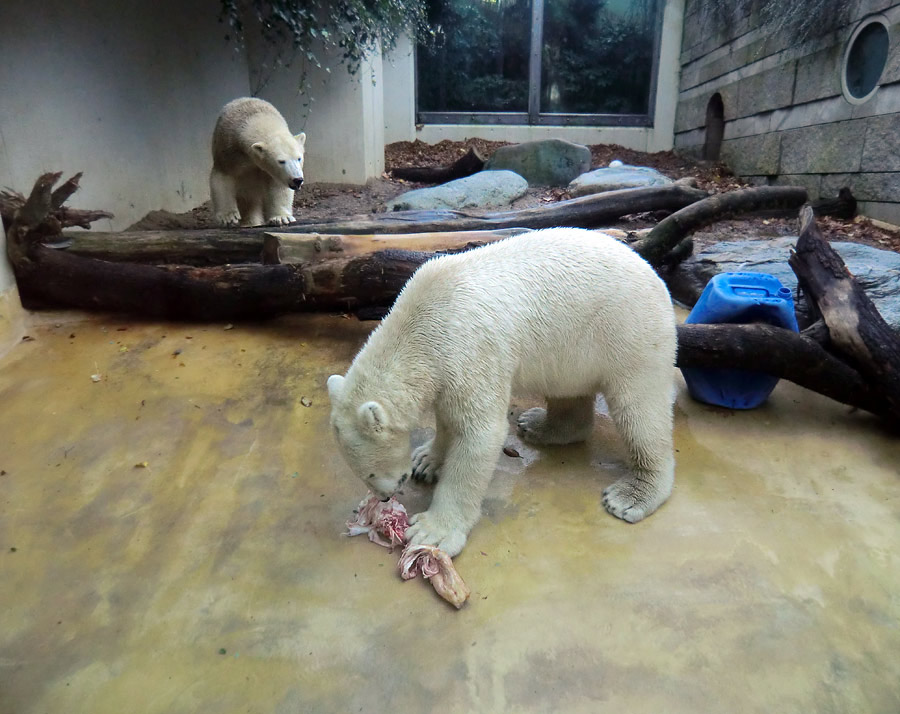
(480, 61)
(597, 56)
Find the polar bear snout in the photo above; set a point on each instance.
(295, 183)
(385, 486)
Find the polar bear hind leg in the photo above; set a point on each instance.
(564, 421)
(643, 416)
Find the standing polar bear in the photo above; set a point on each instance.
(257, 165)
(563, 313)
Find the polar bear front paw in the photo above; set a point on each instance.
(632, 498)
(425, 463)
(428, 529)
(280, 220)
(228, 220)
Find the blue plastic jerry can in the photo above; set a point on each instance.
(739, 298)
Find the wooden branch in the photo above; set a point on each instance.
(292, 248)
(781, 353)
(11, 201)
(844, 206)
(856, 329)
(585, 212)
(671, 230)
(471, 163)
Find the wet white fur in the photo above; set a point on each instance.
(563, 313)
(255, 158)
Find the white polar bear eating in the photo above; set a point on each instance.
(563, 313)
(257, 165)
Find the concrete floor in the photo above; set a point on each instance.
(216, 579)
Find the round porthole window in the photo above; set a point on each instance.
(865, 59)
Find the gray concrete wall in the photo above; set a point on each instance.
(129, 93)
(126, 92)
(786, 119)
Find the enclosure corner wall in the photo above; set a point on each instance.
(128, 95)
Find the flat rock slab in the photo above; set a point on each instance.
(553, 162)
(878, 271)
(616, 177)
(486, 188)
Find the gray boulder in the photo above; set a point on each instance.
(617, 176)
(553, 162)
(486, 188)
(878, 271)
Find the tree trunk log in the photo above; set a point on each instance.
(240, 245)
(292, 248)
(584, 212)
(471, 163)
(856, 330)
(671, 230)
(215, 246)
(780, 353)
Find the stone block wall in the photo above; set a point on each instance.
(786, 120)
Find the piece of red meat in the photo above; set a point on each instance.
(385, 522)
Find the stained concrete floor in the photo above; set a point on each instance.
(214, 578)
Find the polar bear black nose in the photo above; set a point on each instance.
(296, 183)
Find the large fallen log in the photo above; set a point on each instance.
(584, 212)
(666, 234)
(782, 353)
(242, 245)
(470, 163)
(856, 329)
(285, 248)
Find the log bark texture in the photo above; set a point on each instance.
(584, 212)
(214, 246)
(292, 248)
(782, 353)
(856, 330)
(471, 163)
(671, 230)
(11, 201)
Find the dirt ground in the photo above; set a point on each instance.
(325, 201)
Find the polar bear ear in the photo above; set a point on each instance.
(258, 147)
(335, 386)
(301, 139)
(373, 417)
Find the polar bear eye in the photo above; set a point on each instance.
(281, 161)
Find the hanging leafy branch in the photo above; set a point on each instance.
(313, 29)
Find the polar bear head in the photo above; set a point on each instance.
(375, 450)
(282, 158)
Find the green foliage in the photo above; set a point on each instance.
(316, 27)
(597, 56)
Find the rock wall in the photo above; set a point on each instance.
(787, 118)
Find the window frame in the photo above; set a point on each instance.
(534, 117)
